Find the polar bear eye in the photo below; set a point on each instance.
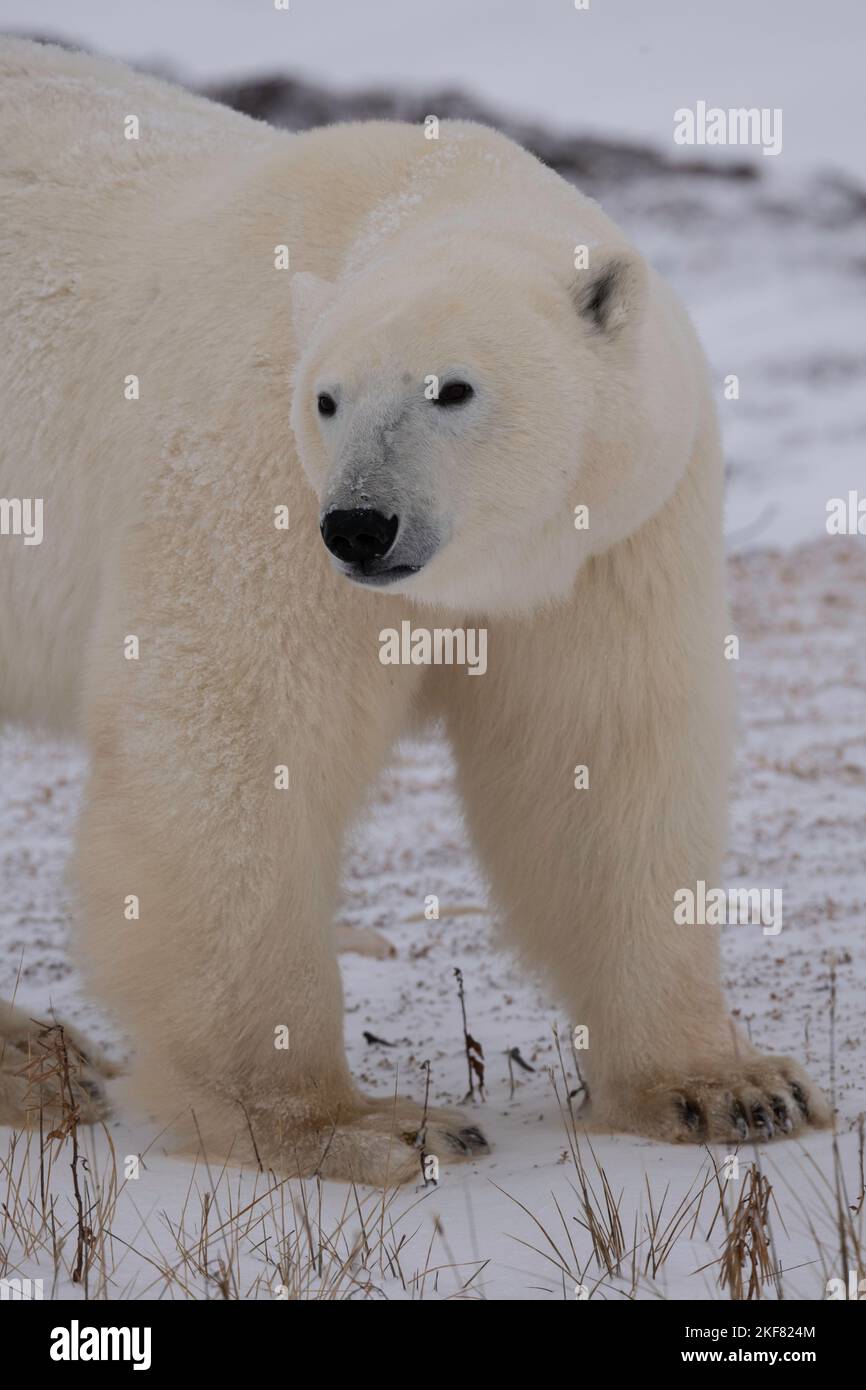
(454, 393)
(327, 405)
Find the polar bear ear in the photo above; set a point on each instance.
(310, 297)
(611, 293)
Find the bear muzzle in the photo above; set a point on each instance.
(361, 539)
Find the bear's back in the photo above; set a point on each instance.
(63, 116)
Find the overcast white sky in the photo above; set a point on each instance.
(622, 67)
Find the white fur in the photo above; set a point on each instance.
(409, 257)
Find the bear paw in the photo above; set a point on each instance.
(757, 1098)
(31, 1072)
(386, 1147)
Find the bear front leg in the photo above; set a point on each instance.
(592, 762)
(212, 940)
(208, 858)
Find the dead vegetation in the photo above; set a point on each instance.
(719, 1208)
(233, 1234)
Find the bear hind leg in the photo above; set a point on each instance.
(44, 1063)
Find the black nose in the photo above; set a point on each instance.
(358, 535)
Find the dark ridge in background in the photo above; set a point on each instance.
(295, 104)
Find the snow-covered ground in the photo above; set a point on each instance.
(774, 272)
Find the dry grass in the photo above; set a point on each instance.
(229, 1223)
(69, 1213)
(740, 1221)
(236, 1235)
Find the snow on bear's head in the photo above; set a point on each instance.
(452, 413)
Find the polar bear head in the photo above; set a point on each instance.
(452, 413)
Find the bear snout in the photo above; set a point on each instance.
(359, 535)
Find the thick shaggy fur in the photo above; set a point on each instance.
(409, 257)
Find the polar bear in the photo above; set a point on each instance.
(476, 404)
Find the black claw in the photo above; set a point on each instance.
(761, 1120)
(474, 1139)
(780, 1114)
(739, 1121)
(691, 1114)
(800, 1097)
